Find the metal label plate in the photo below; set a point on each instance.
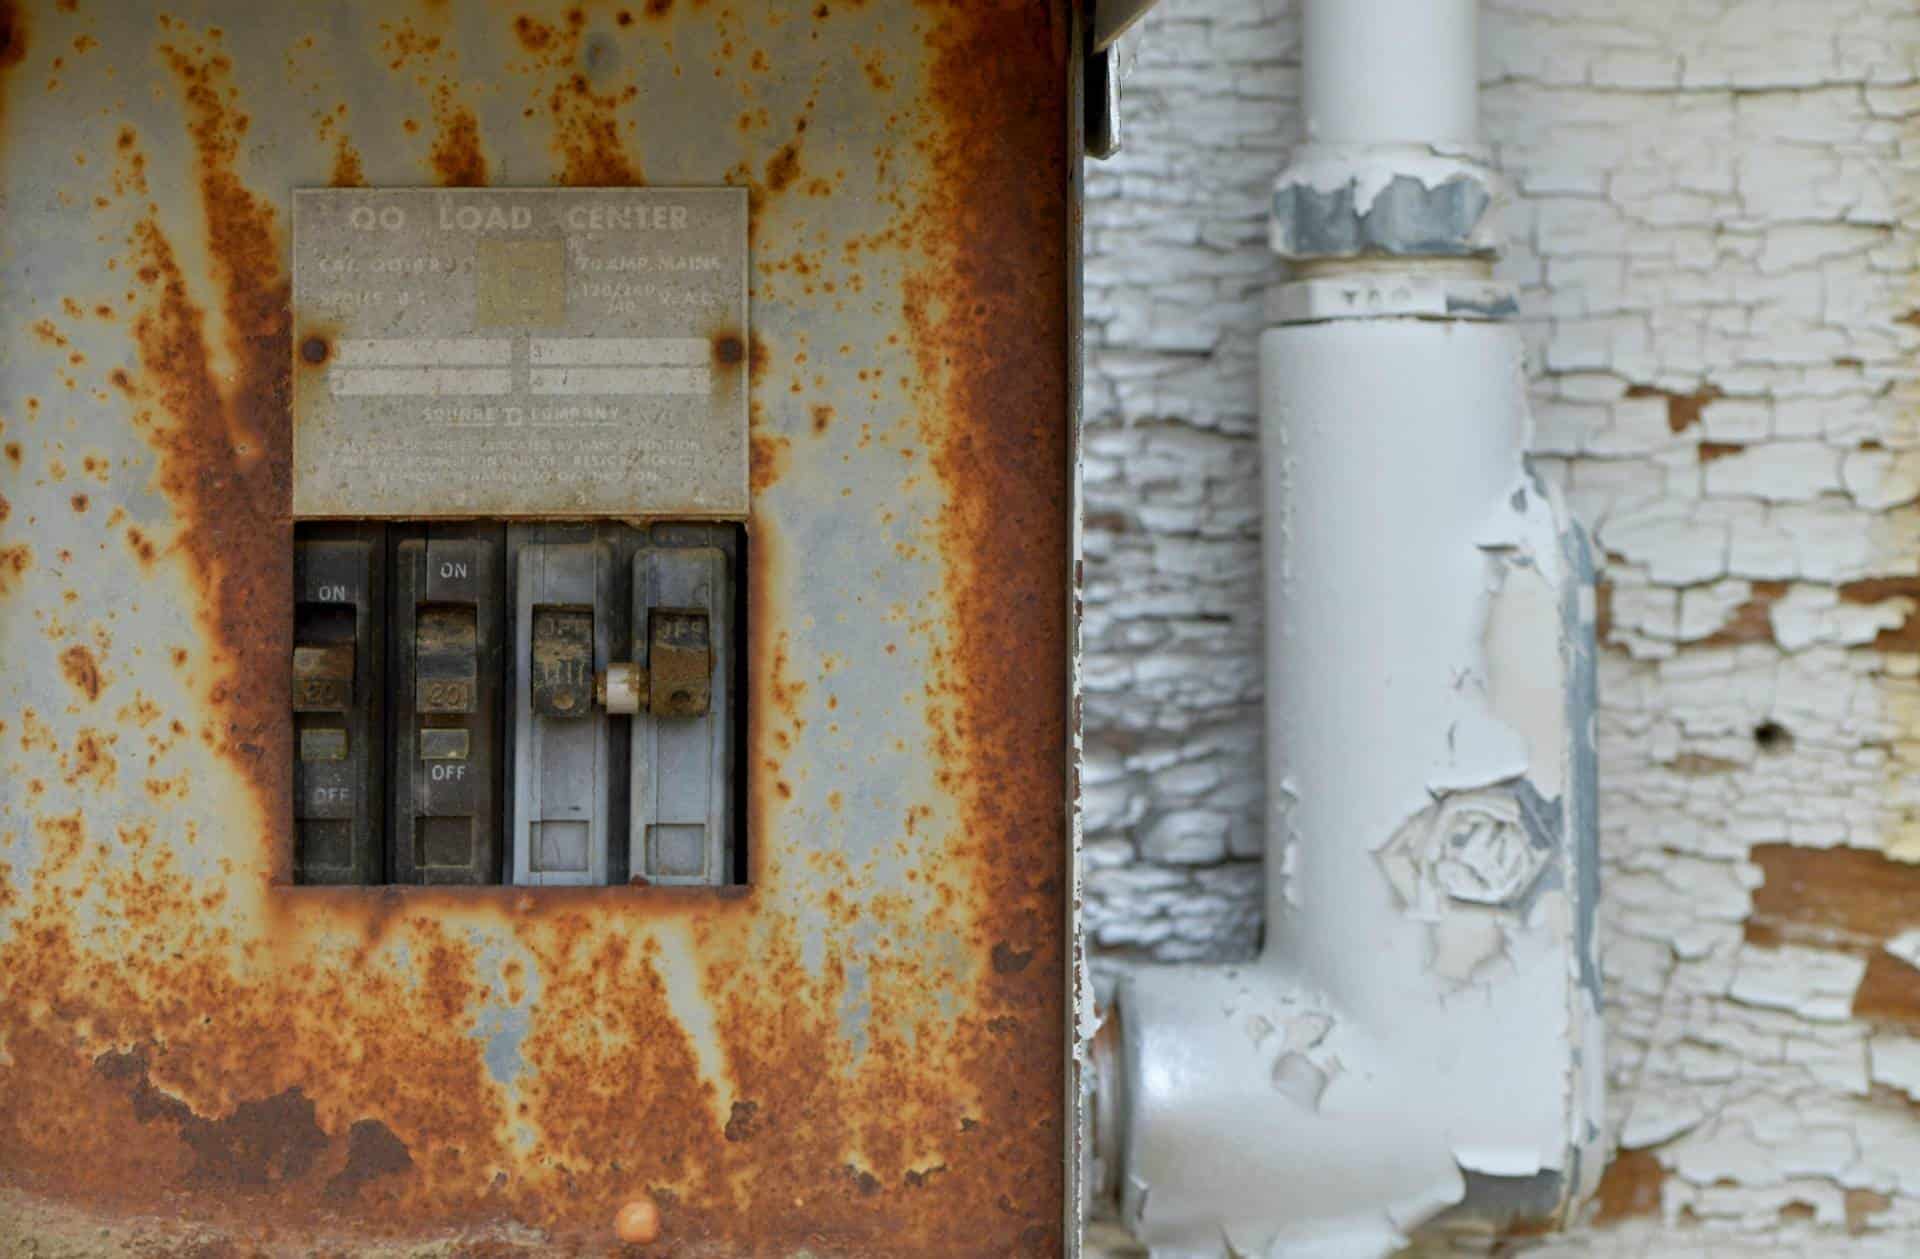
(463, 352)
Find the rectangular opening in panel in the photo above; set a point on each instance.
(534, 702)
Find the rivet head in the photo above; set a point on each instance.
(638, 1222)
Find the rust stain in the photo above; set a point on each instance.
(13, 36)
(783, 167)
(223, 452)
(141, 545)
(14, 562)
(91, 762)
(13, 49)
(81, 669)
(998, 201)
(458, 159)
(767, 455)
(592, 121)
(347, 172)
(533, 34)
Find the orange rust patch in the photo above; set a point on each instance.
(141, 545)
(1710, 451)
(78, 502)
(81, 669)
(13, 36)
(767, 455)
(822, 418)
(1630, 1187)
(534, 36)
(989, 326)
(90, 762)
(591, 122)
(14, 563)
(223, 455)
(13, 48)
(458, 160)
(783, 167)
(347, 172)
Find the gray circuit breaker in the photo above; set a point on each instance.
(561, 798)
(682, 748)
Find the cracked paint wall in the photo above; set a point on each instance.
(1714, 240)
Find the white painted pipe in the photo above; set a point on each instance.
(1393, 467)
(1424, 1016)
(1419, 1042)
(1390, 71)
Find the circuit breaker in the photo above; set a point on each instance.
(520, 490)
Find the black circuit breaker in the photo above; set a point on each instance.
(339, 702)
(448, 591)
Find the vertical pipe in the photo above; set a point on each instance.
(1418, 1045)
(1391, 72)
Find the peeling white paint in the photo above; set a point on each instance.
(1705, 204)
(1813, 983)
(1896, 1062)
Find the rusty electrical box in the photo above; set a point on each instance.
(536, 601)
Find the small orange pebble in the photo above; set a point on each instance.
(638, 1222)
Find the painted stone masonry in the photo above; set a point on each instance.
(1712, 234)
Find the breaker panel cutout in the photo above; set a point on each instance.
(539, 703)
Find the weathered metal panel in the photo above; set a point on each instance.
(862, 1053)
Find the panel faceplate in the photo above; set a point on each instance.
(520, 352)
